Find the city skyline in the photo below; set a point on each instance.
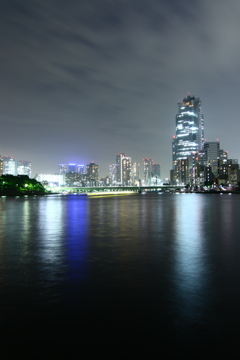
(83, 81)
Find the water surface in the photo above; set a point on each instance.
(143, 272)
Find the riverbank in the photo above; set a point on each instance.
(214, 192)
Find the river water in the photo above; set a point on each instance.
(131, 275)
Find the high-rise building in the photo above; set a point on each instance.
(119, 171)
(212, 151)
(92, 174)
(24, 168)
(123, 169)
(135, 175)
(156, 169)
(9, 165)
(211, 154)
(189, 129)
(113, 174)
(183, 170)
(126, 170)
(81, 169)
(72, 168)
(73, 179)
(155, 175)
(63, 169)
(147, 170)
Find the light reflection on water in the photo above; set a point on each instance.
(190, 264)
(150, 262)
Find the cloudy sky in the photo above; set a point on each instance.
(83, 80)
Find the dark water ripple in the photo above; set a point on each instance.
(145, 273)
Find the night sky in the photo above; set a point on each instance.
(84, 80)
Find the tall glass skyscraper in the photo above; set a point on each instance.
(189, 129)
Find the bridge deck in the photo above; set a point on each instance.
(117, 188)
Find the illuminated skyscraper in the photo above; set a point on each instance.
(92, 173)
(113, 174)
(135, 174)
(9, 165)
(24, 168)
(189, 129)
(126, 170)
(119, 158)
(147, 170)
(123, 169)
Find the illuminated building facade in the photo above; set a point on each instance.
(211, 150)
(135, 174)
(123, 169)
(63, 169)
(126, 170)
(92, 174)
(57, 180)
(183, 170)
(9, 165)
(73, 179)
(119, 170)
(81, 169)
(212, 155)
(24, 168)
(147, 170)
(113, 174)
(189, 137)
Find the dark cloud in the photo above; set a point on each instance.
(86, 80)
